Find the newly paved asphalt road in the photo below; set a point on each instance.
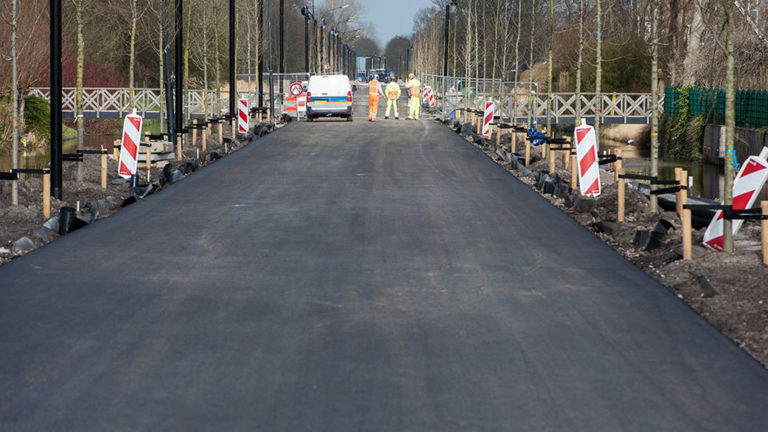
(356, 277)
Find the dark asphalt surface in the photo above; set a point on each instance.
(356, 277)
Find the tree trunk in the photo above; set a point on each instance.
(549, 67)
(531, 95)
(248, 52)
(455, 41)
(598, 71)
(205, 65)
(162, 78)
(693, 47)
(185, 86)
(654, 98)
(217, 70)
(730, 122)
(468, 53)
(132, 63)
(517, 46)
(15, 97)
(79, 90)
(579, 62)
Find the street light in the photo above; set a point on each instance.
(309, 13)
(445, 52)
(306, 13)
(447, 35)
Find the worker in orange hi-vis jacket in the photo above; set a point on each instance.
(374, 91)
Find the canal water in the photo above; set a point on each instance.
(708, 179)
(41, 159)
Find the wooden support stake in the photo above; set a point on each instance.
(221, 134)
(269, 116)
(194, 132)
(574, 172)
(764, 231)
(527, 152)
(621, 197)
(684, 192)
(47, 195)
(148, 161)
(208, 130)
(678, 196)
(618, 165)
(498, 136)
(234, 128)
(566, 159)
(551, 164)
(104, 172)
(179, 154)
(116, 149)
(513, 144)
(687, 234)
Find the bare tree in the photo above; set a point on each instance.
(654, 97)
(730, 120)
(79, 8)
(579, 61)
(15, 97)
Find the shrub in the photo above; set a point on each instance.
(37, 117)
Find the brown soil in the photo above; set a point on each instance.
(24, 219)
(729, 290)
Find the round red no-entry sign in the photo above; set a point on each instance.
(296, 89)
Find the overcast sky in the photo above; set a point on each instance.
(392, 17)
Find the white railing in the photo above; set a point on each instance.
(111, 102)
(612, 107)
(516, 101)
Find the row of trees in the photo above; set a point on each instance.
(507, 38)
(605, 45)
(119, 43)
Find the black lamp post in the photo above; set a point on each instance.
(56, 129)
(179, 92)
(232, 66)
(306, 13)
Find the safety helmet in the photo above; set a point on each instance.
(411, 75)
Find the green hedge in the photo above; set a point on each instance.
(751, 105)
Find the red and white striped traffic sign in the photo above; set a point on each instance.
(301, 102)
(295, 105)
(490, 111)
(129, 147)
(242, 116)
(428, 97)
(746, 188)
(586, 154)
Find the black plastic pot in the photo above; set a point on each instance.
(66, 220)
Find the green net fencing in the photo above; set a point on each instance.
(751, 105)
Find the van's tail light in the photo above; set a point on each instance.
(309, 97)
(349, 96)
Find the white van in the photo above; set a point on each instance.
(329, 95)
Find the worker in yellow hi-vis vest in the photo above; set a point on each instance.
(393, 94)
(414, 101)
